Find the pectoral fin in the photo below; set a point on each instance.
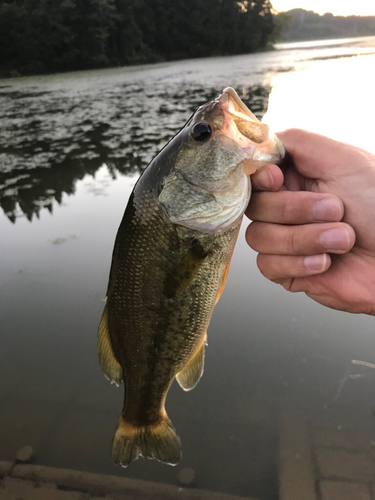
(189, 376)
(108, 362)
(183, 274)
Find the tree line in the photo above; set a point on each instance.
(300, 24)
(39, 36)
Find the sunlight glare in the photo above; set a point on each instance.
(340, 106)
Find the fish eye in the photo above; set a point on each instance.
(201, 132)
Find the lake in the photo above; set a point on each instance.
(280, 393)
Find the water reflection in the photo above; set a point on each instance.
(51, 139)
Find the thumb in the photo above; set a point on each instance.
(319, 157)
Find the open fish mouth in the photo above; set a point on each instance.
(242, 129)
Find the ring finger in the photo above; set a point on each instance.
(281, 267)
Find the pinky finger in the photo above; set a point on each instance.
(282, 267)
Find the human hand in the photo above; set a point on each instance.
(314, 223)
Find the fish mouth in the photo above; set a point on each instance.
(242, 129)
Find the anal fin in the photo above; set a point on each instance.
(108, 362)
(189, 376)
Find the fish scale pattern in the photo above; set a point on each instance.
(153, 330)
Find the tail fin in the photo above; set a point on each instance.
(158, 441)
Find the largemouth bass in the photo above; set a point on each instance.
(170, 262)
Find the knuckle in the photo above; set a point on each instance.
(294, 241)
(287, 284)
(253, 207)
(297, 133)
(286, 209)
(352, 234)
(263, 266)
(252, 233)
(269, 266)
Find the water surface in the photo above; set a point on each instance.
(71, 149)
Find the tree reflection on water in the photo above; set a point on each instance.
(53, 139)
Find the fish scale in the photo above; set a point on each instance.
(138, 303)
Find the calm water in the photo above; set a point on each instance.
(71, 148)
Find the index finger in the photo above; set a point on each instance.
(268, 178)
(318, 157)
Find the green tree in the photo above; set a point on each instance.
(281, 23)
(59, 35)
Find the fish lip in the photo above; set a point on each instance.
(230, 96)
(248, 125)
(259, 144)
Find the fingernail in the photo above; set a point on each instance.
(327, 210)
(335, 239)
(265, 179)
(316, 262)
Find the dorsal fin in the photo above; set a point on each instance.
(108, 362)
(189, 376)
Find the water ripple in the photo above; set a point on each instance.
(53, 138)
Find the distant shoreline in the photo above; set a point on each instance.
(144, 66)
(333, 37)
(306, 25)
(321, 40)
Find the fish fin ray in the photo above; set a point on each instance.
(191, 373)
(158, 441)
(108, 362)
(184, 272)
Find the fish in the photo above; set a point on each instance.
(169, 266)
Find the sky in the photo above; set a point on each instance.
(337, 7)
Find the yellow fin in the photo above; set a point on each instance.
(189, 376)
(108, 362)
(158, 441)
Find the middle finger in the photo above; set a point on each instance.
(300, 207)
(306, 239)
